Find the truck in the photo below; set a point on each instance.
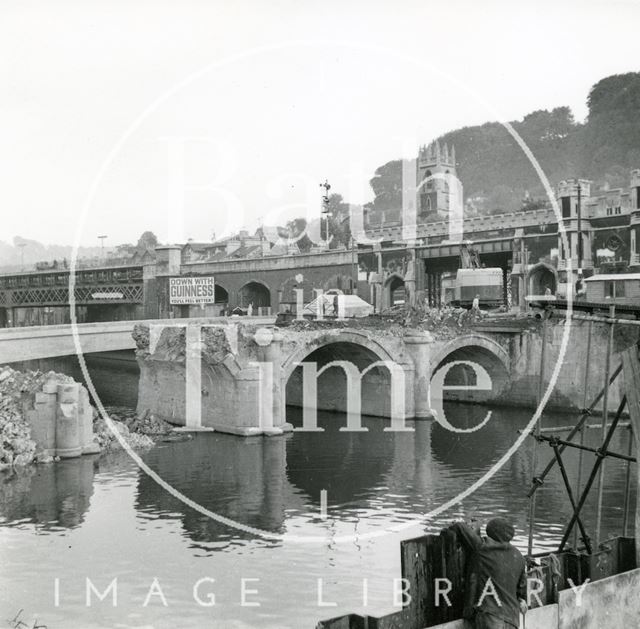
(472, 280)
(486, 284)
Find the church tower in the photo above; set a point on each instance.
(434, 162)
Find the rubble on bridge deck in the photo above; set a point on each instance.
(444, 323)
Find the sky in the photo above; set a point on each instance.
(193, 118)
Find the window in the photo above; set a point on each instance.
(618, 211)
(633, 241)
(609, 290)
(614, 288)
(609, 211)
(566, 207)
(638, 197)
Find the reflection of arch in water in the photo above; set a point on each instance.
(256, 293)
(349, 466)
(481, 351)
(242, 479)
(261, 482)
(357, 349)
(479, 449)
(542, 277)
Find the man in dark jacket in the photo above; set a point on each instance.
(496, 588)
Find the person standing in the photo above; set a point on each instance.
(496, 587)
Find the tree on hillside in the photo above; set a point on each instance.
(612, 133)
(492, 166)
(387, 186)
(296, 231)
(125, 250)
(339, 227)
(148, 241)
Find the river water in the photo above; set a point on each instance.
(96, 519)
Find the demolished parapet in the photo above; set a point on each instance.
(232, 358)
(219, 342)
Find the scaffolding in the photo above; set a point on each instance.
(578, 495)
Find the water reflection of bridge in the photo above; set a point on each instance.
(275, 484)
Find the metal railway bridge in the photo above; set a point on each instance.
(110, 292)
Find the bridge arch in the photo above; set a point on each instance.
(349, 337)
(477, 349)
(368, 357)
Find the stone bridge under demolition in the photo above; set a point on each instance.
(239, 378)
(51, 341)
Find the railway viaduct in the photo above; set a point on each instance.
(381, 270)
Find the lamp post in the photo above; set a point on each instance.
(354, 263)
(325, 206)
(579, 229)
(101, 239)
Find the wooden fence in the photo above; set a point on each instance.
(424, 559)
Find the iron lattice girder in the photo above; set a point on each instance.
(84, 295)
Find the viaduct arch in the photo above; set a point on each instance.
(541, 277)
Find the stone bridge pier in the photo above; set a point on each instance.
(239, 378)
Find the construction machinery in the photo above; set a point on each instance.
(474, 281)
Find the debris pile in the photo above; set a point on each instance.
(446, 321)
(145, 424)
(130, 428)
(17, 395)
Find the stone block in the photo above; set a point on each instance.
(85, 423)
(67, 422)
(50, 387)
